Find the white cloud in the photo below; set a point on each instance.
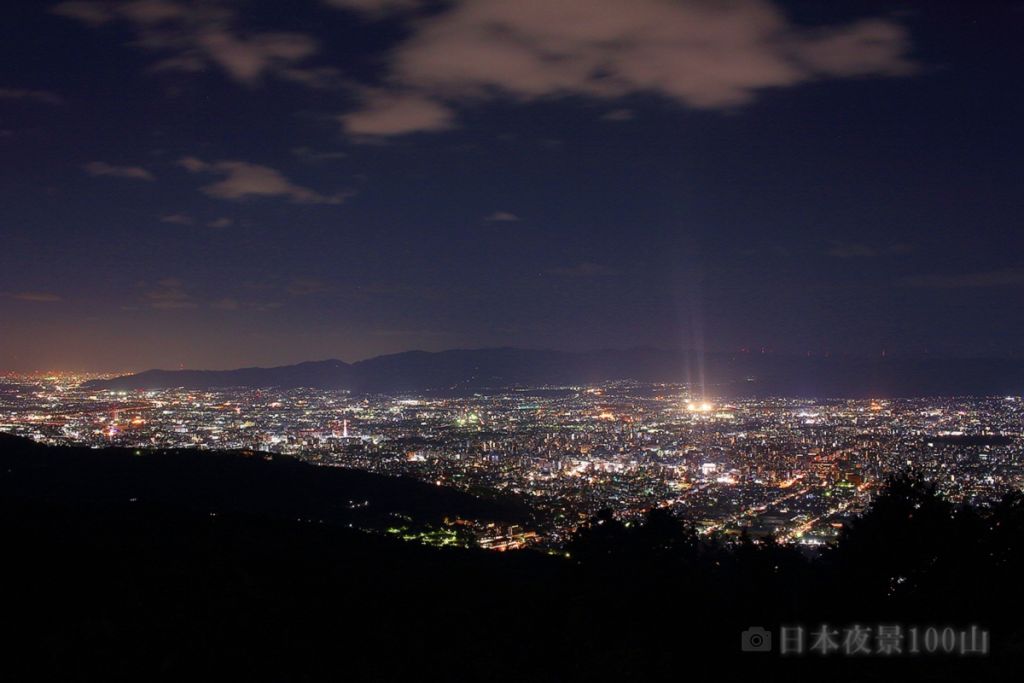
(701, 54)
(177, 219)
(385, 113)
(102, 168)
(220, 223)
(247, 59)
(241, 180)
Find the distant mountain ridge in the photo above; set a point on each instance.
(721, 374)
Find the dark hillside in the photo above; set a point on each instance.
(112, 589)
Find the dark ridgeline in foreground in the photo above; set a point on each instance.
(740, 374)
(244, 483)
(100, 587)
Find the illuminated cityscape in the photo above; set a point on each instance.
(534, 341)
(793, 469)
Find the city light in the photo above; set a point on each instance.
(793, 468)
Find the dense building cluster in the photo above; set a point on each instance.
(795, 469)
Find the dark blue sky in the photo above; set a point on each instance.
(215, 184)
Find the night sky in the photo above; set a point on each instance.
(219, 184)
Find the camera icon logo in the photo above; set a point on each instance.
(756, 639)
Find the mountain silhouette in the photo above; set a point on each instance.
(717, 374)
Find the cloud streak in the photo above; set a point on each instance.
(169, 294)
(40, 96)
(102, 168)
(1007, 277)
(35, 297)
(502, 217)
